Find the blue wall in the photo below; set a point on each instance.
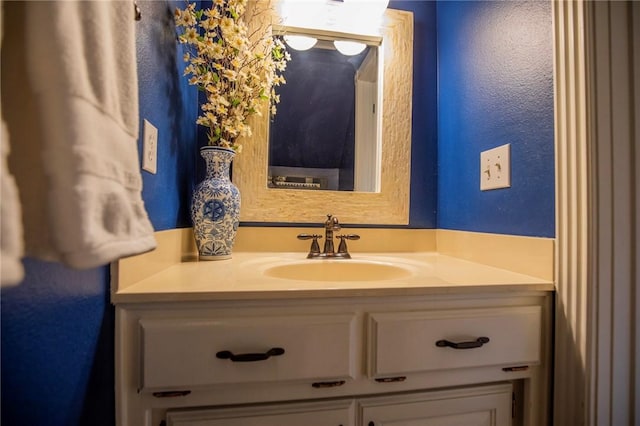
(57, 348)
(171, 105)
(58, 325)
(496, 87)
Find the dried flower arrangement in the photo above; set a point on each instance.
(236, 70)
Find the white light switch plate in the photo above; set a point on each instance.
(150, 148)
(495, 168)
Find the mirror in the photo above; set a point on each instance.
(389, 204)
(325, 135)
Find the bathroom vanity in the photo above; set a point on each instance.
(432, 340)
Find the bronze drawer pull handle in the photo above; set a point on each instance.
(463, 345)
(518, 368)
(250, 357)
(391, 379)
(171, 394)
(319, 385)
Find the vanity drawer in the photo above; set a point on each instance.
(185, 353)
(322, 413)
(420, 341)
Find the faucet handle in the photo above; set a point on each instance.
(315, 247)
(308, 236)
(350, 236)
(342, 248)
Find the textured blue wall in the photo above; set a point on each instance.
(57, 348)
(171, 105)
(57, 327)
(496, 87)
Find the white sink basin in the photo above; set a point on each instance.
(338, 270)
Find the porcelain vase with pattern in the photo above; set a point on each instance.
(215, 207)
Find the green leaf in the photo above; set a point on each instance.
(277, 54)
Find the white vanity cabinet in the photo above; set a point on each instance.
(368, 358)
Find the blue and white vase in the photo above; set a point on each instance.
(215, 207)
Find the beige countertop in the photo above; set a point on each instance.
(247, 276)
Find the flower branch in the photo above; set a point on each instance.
(236, 70)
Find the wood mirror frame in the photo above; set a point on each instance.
(390, 206)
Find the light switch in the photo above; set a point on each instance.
(495, 168)
(150, 148)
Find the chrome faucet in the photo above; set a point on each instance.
(331, 225)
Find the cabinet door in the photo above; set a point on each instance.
(479, 406)
(326, 413)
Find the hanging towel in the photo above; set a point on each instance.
(11, 247)
(11, 227)
(82, 205)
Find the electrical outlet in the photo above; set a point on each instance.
(495, 168)
(150, 148)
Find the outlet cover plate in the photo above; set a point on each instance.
(150, 148)
(495, 168)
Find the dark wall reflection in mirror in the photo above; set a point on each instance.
(312, 136)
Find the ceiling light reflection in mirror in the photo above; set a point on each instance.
(349, 48)
(302, 43)
(299, 42)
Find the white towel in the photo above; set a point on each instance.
(11, 246)
(81, 69)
